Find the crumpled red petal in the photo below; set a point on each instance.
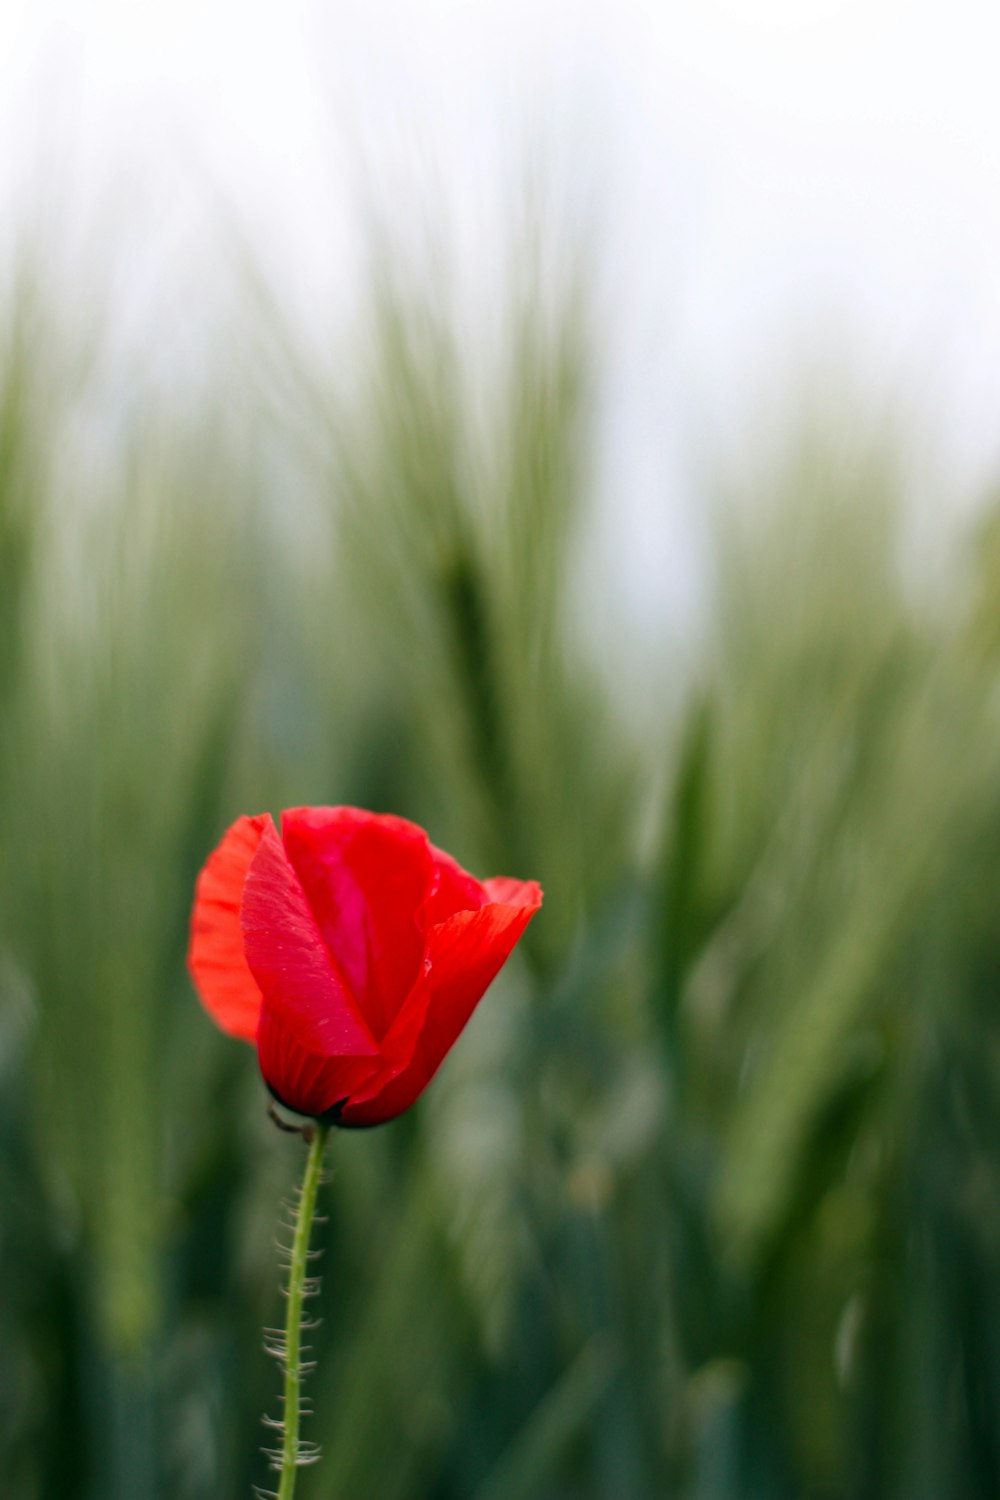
(305, 1081)
(453, 890)
(465, 953)
(216, 959)
(303, 988)
(366, 877)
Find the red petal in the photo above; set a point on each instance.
(366, 877)
(453, 890)
(216, 959)
(302, 1080)
(301, 985)
(466, 953)
(513, 892)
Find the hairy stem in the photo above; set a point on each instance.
(300, 1286)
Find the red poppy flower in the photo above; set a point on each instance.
(351, 951)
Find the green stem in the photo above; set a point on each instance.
(299, 1288)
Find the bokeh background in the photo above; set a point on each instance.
(574, 428)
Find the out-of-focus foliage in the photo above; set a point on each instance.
(707, 1202)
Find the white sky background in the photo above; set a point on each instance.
(768, 174)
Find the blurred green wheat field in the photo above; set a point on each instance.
(706, 1204)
